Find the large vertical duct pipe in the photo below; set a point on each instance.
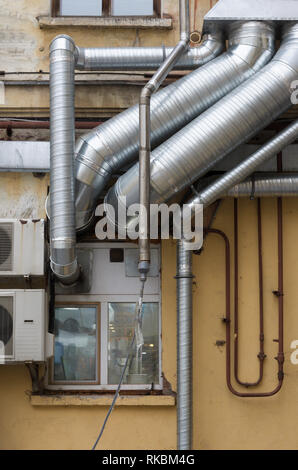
(115, 144)
(144, 135)
(62, 226)
(184, 346)
(225, 183)
(191, 152)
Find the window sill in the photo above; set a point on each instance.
(102, 400)
(46, 22)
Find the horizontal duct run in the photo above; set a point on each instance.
(148, 58)
(225, 11)
(282, 185)
(194, 150)
(115, 144)
(19, 156)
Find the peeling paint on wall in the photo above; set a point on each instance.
(22, 196)
(17, 46)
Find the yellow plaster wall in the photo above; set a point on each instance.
(26, 427)
(221, 420)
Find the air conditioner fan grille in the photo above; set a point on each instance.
(6, 244)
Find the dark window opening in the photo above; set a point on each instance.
(116, 255)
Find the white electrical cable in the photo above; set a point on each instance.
(138, 322)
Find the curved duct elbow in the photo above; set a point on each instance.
(115, 144)
(62, 226)
(148, 58)
(191, 152)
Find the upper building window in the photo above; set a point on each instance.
(80, 8)
(128, 8)
(106, 7)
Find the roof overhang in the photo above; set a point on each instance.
(227, 11)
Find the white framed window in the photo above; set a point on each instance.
(93, 331)
(144, 365)
(76, 346)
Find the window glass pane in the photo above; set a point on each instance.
(75, 344)
(80, 8)
(132, 8)
(143, 367)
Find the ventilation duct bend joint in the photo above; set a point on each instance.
(251, 46)
(149, 58)
(194, 150)
(184, 279)
(115, 144)
(62, 225)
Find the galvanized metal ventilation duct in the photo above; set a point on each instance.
(63, 58)
(62, 228)
(262, 185)
(115, 144)
(231, 182)
(184, 346)
(148, 58)
(191, 152)
(282, 185)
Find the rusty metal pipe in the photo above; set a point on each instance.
(278, 293)
(261, 356)
(44, 124)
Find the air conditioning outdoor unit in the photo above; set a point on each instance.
(22, 326)
(21, 247)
